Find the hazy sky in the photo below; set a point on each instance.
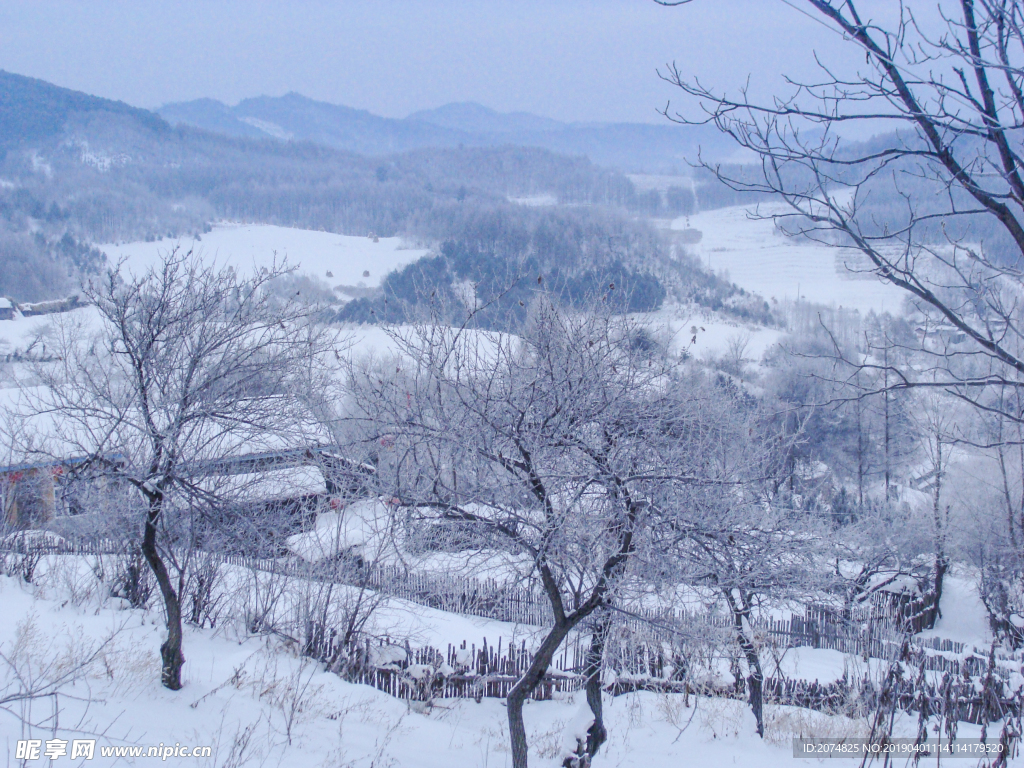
(568, 59)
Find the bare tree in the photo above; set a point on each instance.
(566, 445)
(935, 205)
(739, 534)
(193, 364)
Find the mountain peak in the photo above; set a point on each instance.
(472, 117)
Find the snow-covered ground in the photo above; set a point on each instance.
(338, 260)
(761, 260)
(29, 335)
(963, 616)
(707, 335)
(256, 702)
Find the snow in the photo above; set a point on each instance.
(759, 259)
(346, 257)
(964, 618)
(535, 201)
(365, 528)
(101, 161)
(576, 731)
(709, 337)
(269, 128)
(821, 664)
(360, 528)
(256, 697)
(23, 334)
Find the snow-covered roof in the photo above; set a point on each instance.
(367, 528)
(363, 527)
(903, 583)
(45, 437)
(268, 485)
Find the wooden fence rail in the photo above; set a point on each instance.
(490, 671)
(879, 637)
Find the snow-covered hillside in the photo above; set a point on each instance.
(761, 260)
(338, 260)
(255, 701)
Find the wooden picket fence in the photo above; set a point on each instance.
(466, 672)
(490, 671)
(956, 698)
(817, 627)
(657, 660)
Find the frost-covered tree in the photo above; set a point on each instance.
(191, 365)
(561, 449)
(934, 204)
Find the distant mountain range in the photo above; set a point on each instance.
(103, 171)
(630, 147)
(34, 109)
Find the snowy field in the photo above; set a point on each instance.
(256, 702)
(709, 336)
(29, 335)
(759, 259)
(338, 260)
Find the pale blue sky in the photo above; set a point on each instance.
(568, 59)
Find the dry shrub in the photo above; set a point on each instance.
(783, 723)
(71, 578)
(547, 742)
(676, 710)
(20, 564)
(722, 717)
(286, 685)
(125, 662)
(39, 666)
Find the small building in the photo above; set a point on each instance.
(29, 494)
(255, 501)
(52, 307)
(7, 309)
(51, 493)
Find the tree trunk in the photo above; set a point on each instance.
(941, 560)
(170, 650)
(597, 734)
(860, 449)
(885, 396)
(1020, 452)
(755, 678)
(526, 686)
(934, 611)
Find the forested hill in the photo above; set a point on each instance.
(34, 110)
(77, 170)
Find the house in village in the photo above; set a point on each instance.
(29, 494)
(249, 503)
(263, 498)
(50, 494)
